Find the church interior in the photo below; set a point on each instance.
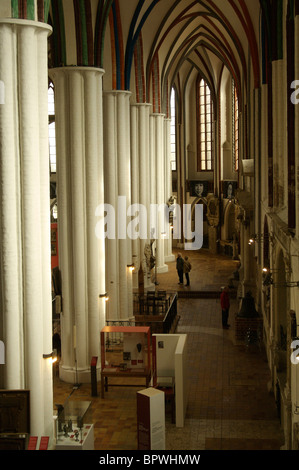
(135, 134)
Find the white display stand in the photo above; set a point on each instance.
(151, 419)
(85, 439)
(171, 361)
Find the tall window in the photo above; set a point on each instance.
(205, 123)
(52, 133)
(235, 128)
(173, 130)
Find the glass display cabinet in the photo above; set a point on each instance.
(74, 430)
(125, 352)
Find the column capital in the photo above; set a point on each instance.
(137, 105)
(26, 23)
(71, 69)
(117, 92)
(158, 115)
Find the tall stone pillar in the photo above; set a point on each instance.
(157, 129)
(25, 278)
(247, 257)
(80, 190)
(118, 196)
(140, 181)
(169, 256)
(279, 116)
(135, 189)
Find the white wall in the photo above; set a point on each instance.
(172, 362)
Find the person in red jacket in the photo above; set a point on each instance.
(225, 304)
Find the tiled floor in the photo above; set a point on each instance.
(229, 405)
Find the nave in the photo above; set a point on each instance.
(230, 406)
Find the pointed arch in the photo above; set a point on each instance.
(103, 12)
(156, 93)
(117, 48)
(133, 37)
(57, 39)
(23, 9)
(139, 71)
(84, 32)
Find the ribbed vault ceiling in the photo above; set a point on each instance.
(173, 38)
(201, 34)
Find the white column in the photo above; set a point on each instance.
(264, 143)
(26, 304)
(94, 197)
(42, 50)
(118, 196)
(249, 283)
(64, 227)
(124, 190)
(80, 176)
(256, 184)
(158, 154)
(110, 171)
(135, 187)
(11, 238)
(78, 221)
(169, 256)
(279, 117)
(140, 177)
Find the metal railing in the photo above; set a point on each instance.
(151, 306)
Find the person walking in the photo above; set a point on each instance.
(180, 268)
(187, 269)
(225, 305)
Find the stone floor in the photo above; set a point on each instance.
(229, 407)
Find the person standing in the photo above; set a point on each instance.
(187, 269)
(225, 305)
(180, 268)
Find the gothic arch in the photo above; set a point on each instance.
(204, 203)
(280, 301)
(229, 223)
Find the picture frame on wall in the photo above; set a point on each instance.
(199, 188)
(229, 189)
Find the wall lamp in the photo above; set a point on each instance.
(269, 281)
(52, 356)
(104, 296)
(131, 267)
(271, 271)
(260, 238)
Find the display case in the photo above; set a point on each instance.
(125, 352)
(73, 428)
